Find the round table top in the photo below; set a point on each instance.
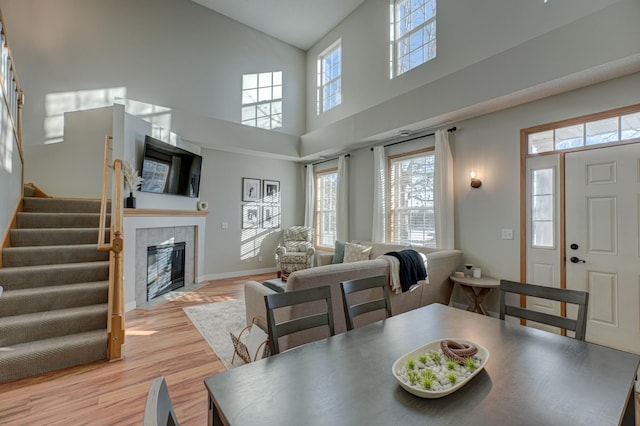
(484, 282)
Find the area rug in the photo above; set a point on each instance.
(214, 321)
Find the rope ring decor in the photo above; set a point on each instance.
(457, 351)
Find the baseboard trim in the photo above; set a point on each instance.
(234, 274)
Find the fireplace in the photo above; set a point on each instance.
(165, 269)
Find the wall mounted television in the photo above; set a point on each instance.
(167, 169)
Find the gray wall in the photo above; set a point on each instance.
(72, 168)
(490, 145)
(10, 177)
(234, 249)
(80, 54)
(487, 52)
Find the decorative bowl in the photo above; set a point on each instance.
(399, 368)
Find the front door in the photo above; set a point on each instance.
(602, 198)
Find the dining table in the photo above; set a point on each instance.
(532, 377)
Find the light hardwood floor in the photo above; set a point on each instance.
(160, 341)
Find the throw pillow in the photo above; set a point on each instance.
(338, 254)
(355, 252)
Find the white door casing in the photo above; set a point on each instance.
(602, 190)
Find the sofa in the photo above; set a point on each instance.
(437, 288)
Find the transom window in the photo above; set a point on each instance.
(618, 128)
(326, 192)
(412, 34)
(329, 91)
(262, 100)
(411, 198)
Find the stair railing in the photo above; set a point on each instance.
(115, 317)
(11, 91)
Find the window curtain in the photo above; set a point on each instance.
(443, 194)
(379, 229)
(309, 205)
(342, 200)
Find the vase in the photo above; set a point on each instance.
(130, 201)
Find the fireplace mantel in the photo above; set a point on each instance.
(161, 212)
(136, 219)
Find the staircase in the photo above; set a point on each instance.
(53, 312)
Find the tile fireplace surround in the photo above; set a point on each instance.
(146, 227)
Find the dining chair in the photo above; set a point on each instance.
(579, 298)
(290, 298)
(354, 286)
(159, 410)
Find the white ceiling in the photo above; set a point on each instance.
(300, 23)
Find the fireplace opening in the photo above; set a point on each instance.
(165, 269)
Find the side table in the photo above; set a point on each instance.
(469, 286)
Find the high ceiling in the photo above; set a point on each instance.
(300, 23)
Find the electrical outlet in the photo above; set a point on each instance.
(260, 258)
(224, 225)
(507, 234)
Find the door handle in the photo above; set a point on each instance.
(574, 259)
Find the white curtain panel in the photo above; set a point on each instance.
(309, 205)
(443, 197)
(378, 231)
(342, 200)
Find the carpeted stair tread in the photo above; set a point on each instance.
(45, 325)
(32, 358)
(53, 313)
(50, 255)
(28, 191)
(51, 275)
(40, 299)
(59, 220)
(29, 237)
(62, 205)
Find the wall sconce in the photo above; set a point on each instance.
(475, 182)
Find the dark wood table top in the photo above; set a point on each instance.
(533, 377)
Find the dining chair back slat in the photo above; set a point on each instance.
(159, 411)
(579, 298)
(290, 298)
(351, 311)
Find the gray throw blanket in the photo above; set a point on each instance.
(412, 267)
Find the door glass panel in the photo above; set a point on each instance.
(542, 207)
(542, 234)
(602, 131)
(570, 137)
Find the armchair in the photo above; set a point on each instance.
(296, 251)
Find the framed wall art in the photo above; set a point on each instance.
(271, 191)
(250, 216)
(271, 216)
(250, 189)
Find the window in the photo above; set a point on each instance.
(542, 208)
(617, 128)
(262, 100)
(330, 78)
(326, 191)
(412, 34)
(411, 199)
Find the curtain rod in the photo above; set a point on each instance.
(328, 159)
(453, 129)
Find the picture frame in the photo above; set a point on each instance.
(271, 216)
(250, 216)
(250, 189)
(271, 191)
